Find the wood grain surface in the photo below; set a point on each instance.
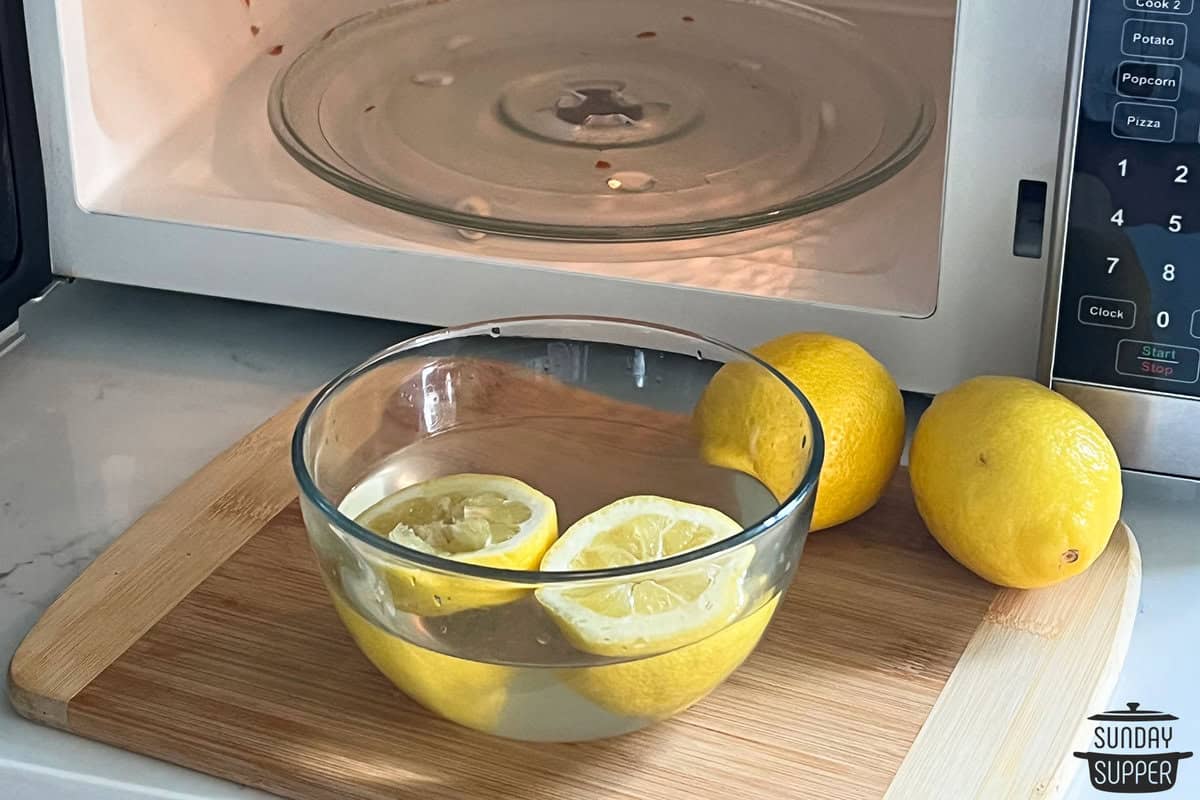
(252, 677)
(150, 568)
(204, 637)
(1010, 697)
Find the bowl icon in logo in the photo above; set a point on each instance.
(1131, 751)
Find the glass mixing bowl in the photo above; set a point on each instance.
(587, 411)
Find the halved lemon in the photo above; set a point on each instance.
(684, 631)
(489, 520)
(661, 686)
(646, 614)
(467, 692)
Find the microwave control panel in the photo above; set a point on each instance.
(1129, 313)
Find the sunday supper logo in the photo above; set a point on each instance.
(1131, 751)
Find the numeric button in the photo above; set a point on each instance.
(1107, 312)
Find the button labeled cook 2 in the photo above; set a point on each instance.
(1144, 121)
(1143, 38)
(1149, 81)
(1163, 362)
(1161, 6)
(1107, 312)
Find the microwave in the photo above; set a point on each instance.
(963, 187)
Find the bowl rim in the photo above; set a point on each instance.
(310, 492)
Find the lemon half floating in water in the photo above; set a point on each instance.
(467, 692)
(645, 615)
(489, 520)
(680, 622)
(661, 686)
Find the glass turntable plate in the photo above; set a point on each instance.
(599, 120)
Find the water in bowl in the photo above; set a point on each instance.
(506, 668)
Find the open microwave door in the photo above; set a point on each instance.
(24, 242)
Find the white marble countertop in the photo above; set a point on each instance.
(120, 394)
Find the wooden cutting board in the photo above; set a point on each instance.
(203, 636)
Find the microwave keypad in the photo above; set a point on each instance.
(1129, 312)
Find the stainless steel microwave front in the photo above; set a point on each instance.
(1123, 305)
(162, 170)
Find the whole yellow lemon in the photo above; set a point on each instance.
(1015, 481)
(749, 422)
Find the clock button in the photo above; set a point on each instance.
(1107, 312)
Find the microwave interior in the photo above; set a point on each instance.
(759, 148)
